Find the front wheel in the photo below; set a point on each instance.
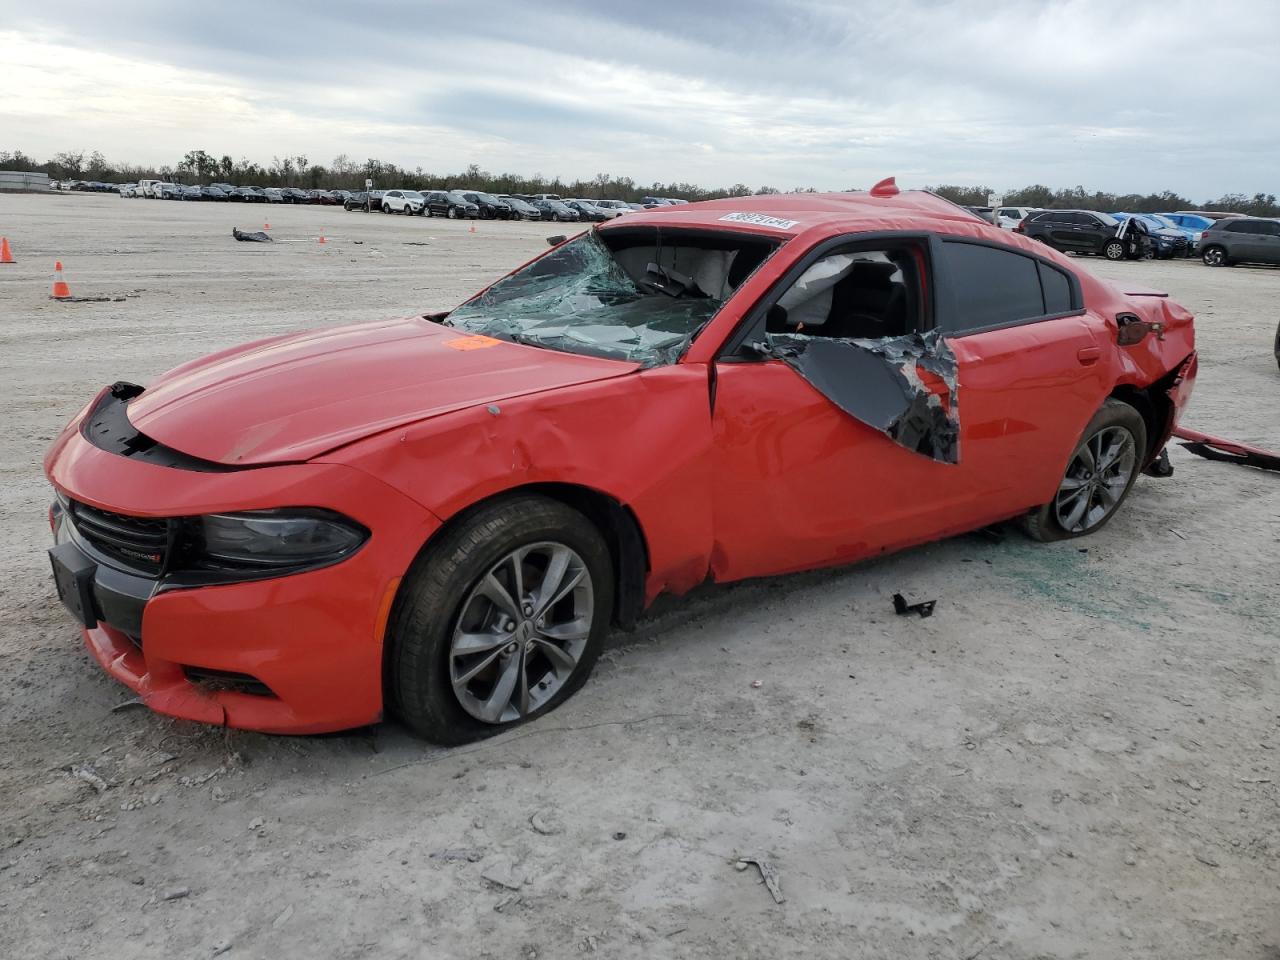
(452, 214)
(500, 620)
(1214, 257)
(1113, 250)
(1098, 477)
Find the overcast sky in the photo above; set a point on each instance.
(1120, 96)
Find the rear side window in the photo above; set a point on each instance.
(1243, 226)
(996, 287)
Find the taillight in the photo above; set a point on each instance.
(1019, 228)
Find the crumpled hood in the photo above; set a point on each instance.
(295, 397)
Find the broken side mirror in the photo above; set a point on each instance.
(1132, 330)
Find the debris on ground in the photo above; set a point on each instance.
(176, 893)
(455, 854)
(502, 871)
(767, 873)
(545, 822)
(1228, 451)
(901, 607)
(555, 241)
(86, 773)
(258, 237)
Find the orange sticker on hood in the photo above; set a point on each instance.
(477, 341)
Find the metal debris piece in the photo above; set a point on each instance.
(545, 822)
(902, 608)
(768, 875)
(258, 237)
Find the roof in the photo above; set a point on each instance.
(796, 213)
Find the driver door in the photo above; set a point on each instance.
(800, 483)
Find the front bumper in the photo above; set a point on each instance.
(295, 654)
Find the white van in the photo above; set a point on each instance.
(147, 188)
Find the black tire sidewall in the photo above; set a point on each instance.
(418, 687)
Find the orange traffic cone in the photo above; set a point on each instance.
(5, 255)
(473, 228)
(321, 240)
(266, 226)
(60, 289)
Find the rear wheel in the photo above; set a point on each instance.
(1098, 477)
(1214, 256)
(499, 621)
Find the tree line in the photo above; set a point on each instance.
(344, 173)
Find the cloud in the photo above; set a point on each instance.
(1001, 92)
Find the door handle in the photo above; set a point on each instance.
(1088, 355)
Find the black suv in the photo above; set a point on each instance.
(1085, 231)
(1241, 240)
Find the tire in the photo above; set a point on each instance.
(442, 593)
(1101, 493)
(1214, 256)
(452, 213)
(1113, 250)
(385, 208)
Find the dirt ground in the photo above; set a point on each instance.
(1078, 755)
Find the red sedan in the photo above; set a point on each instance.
(442, 516)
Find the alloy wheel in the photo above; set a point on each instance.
(1096, 480)
(1214, 257)
(521, 632)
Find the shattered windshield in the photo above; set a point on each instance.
(640, 295)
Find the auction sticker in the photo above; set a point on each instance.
(477, 341)
(760, 220)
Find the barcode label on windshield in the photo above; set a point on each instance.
(760, 220)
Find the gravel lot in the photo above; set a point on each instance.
(1077, 755)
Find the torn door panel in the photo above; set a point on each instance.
(905, 387)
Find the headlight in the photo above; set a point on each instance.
(266, 539)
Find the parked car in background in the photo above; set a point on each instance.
(191, 193)
(1167, 241)
(442, 203)
(1084, 231)
(1010, 217)
(325, 197)
(295, 195)
(983, 213)
(226, 188)
(521, 209)
(275, 195)
(555, 210)
(588, 211)
(619, 207)
(544, 196)
(253, 194)
(311, 532)
(655, 202)
(167, 191)
(1233, 240)
(490, 207)
(146, 188)
(213, 193)
(364, 201)
(129, 190)
(1192, 224)
(408, 202)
